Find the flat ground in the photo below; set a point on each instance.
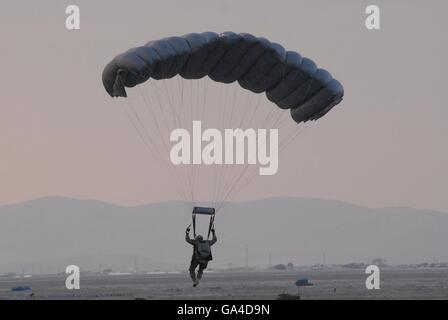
(328, 284)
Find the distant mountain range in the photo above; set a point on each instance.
(46, 234)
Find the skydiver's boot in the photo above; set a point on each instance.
(193, 278)
(196, 281)
(199, 276)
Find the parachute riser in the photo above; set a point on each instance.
(205, 211)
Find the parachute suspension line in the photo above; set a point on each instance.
(204, 106)
(146, 134)
(201, 102)
(194, 92)
(191, 101)
(233, 175)
(215, 172)
(197, 109)
(171, 101)
(250, 178)
(210, 226)
(281, 146)
(161, 109)
(222, 126)
(267, 119)
(256, 107)
(265, 123)
(306, 125)
(153, 117)
(220, 120)
(233, 103)
(169, 169)
(182, 102)
(193, 118)
(170, 98)
(246, 169)
(235, 178)
(159, 104)
(197, 115)
(191, 170)
(246, 110)
(194, 224)
(226, 170)
(183, 114)
(204, 102)
(291, 136)
(280, 118)
(137, 130)
(224, 185)
(221, 108)
(251, 119)
(145, 142)
(149, 109)
(188, 172)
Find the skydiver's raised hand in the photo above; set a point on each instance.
(187, 236)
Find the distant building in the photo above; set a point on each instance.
(280, 266)
(379, 262)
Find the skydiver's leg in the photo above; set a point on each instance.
(192, 269)
(202, 267)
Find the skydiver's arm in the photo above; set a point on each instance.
(187, 237)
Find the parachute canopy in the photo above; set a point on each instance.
(288, 79)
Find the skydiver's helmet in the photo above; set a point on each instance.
(199, 237)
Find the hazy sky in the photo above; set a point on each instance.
(385, 145)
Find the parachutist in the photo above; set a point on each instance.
(202, 254)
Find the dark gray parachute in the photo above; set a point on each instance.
(289, 80)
